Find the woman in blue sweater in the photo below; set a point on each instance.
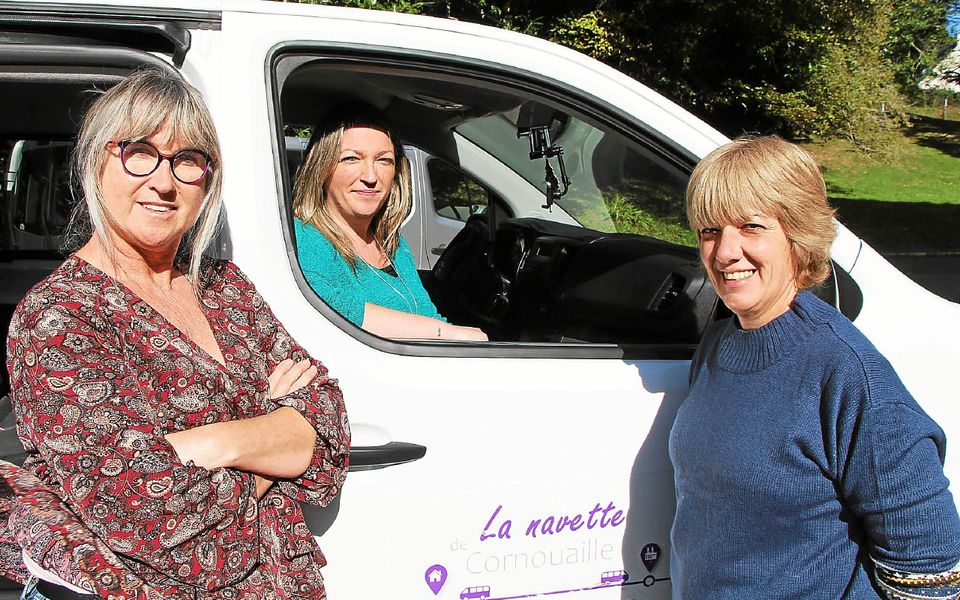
(803, 467)
(351, 196)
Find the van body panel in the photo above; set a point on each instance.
(546, 467)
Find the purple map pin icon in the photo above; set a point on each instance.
(435, 577)
(650, 554)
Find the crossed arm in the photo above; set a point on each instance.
(278, 444)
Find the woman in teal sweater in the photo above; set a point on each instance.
(351, 196)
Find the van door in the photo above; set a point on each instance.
(545, 467)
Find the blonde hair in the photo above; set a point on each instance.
(776, 178)
(309, 192)
(142, 104)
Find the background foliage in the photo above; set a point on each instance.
(801, 68)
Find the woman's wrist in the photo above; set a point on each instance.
(210, 448)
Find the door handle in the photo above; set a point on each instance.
(438, 250)
(368, 458)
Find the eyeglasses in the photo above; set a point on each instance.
(142, 158)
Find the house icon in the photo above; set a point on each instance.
(435, 576)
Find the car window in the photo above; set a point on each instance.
(592, 247)
(455, 195)
(36, 198)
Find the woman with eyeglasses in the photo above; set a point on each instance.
(172, 425)
(351, 197)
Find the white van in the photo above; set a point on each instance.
(530, 465)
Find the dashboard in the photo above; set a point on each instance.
(551, 282)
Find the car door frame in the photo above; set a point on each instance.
(494, 74)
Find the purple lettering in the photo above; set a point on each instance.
(484, 535)
(504, 532)
(547, 526)
(617, 518)
(597, 517)
(603, 519)
(532, 528)
(593, 512)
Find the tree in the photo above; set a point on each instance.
(797, 67)
(403, 6)
(918, 40)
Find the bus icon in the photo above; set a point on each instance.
(479, 592)
(612, 577)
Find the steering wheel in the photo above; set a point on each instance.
(460, 273)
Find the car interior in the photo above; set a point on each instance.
(521, 279)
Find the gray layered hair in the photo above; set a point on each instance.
(142, 104)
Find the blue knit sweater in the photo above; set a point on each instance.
(347, 291)
(799, 456)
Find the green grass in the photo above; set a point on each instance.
(923, 165)
(935, 110)
(630, 218)
(907, 199)
(638, 207)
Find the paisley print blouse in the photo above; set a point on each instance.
(99, 377)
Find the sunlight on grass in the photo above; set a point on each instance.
(907, 200)
(630, 218)
(923, 166)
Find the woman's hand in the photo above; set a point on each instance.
(289, 376)
(460, 332)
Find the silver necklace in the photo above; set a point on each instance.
(413, 307)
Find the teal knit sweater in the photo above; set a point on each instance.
(347, 291)
(800, 461)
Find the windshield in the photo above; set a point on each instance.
(615, 185)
